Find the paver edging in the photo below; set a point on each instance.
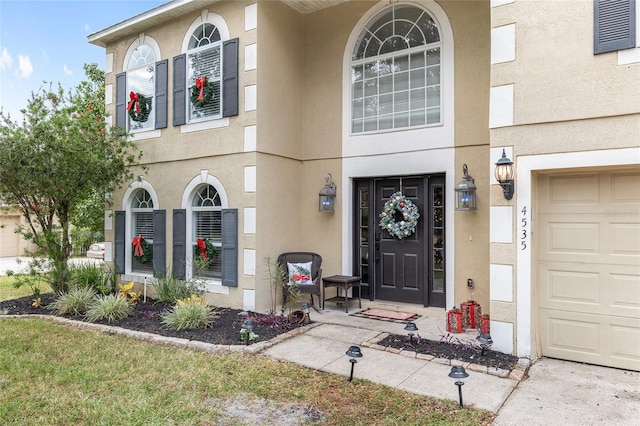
(168, 341)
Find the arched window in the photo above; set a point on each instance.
(141, 82)
(204, 72)
(395, 72)
(142, 226)
(206, 210)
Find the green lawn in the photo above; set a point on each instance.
(7, 291)
(52, 374)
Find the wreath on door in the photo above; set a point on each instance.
(399, 216)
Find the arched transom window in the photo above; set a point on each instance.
(395, 71)
(206, 208)
(204, 72)
(141, 80)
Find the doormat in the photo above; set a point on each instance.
(387, 315)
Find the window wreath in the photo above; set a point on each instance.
(399, 216)
(202, 92)
(141, 250)
(142, 109)
(205, 251)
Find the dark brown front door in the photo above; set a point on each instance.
(400, 273)
(407, 270)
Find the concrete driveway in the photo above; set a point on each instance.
(569, 393)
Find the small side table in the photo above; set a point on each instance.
(342, 283)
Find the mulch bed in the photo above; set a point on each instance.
(450, 347)
(146, 318)
(226, 330)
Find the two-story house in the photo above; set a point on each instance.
(246, 110)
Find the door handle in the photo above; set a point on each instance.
(377, 245)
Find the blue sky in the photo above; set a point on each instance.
(46, 40)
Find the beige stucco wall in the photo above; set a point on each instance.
(299, 119)
(566, 100)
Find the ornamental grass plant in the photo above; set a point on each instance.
(171, 289)
(75, 302)
(189, 313)
(108, 308)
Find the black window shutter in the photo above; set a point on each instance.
(614, 25)
(119, 248)
(179, 243)
(162, 70)
(159, 242)
(230, 78)
(121, 102)
(179, 89)
(230, 247)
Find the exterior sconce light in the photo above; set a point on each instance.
(458, 372)
(411, 327)
(353, 352)
(327, 195)
(504, 175)
(466, 192)
(485, 341)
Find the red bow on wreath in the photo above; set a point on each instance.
(204, 255)
(133, 99)
(137, 246)
(200, 83)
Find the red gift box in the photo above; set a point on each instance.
(471, 314)
(454, 321)
(486, 324)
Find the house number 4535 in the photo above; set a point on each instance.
(523, 228)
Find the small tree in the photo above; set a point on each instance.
(58, 157)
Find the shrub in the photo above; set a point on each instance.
(110, 308)
(93, 275)
(192, 312)
(171, 289)
(75, 302)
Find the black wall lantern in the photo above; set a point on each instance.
(466, 192)
(327, 195)
(504, 175)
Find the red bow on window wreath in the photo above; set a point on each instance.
(200, 84)
(204, 255)
(133, 100)
(137, 246)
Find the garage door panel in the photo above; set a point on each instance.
(577, 287)
(568, 289)
(588, 276)
(574, 189)
(625, 187)
(590, 338)
(625, 238)
(9, 240)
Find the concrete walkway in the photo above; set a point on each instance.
(553, 392)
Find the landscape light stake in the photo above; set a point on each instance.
(485, 341)
(248, 325)
(306, 309)
(353, 352)
(458, 372)
(411, 327)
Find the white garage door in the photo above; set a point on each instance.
(589, 267)
(9, 240)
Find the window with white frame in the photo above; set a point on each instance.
(395, 72)
(142, 232)
(206, 208)
(141, 86)
(204, 73)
